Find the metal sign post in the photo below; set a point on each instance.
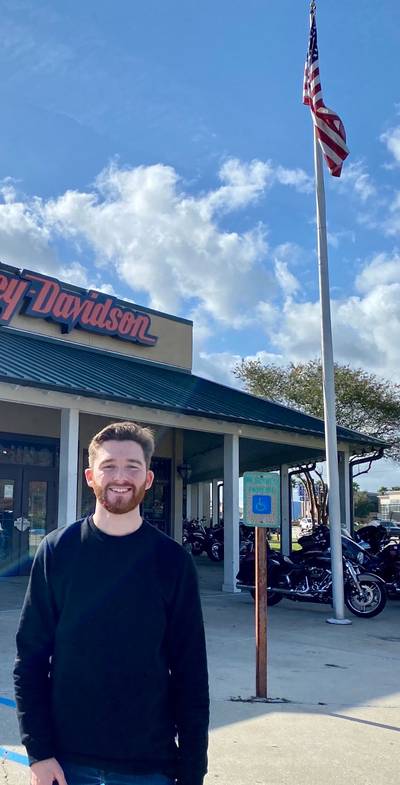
(261, 614)
(261, 508)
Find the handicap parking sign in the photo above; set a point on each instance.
(262, 504)
(261, 499)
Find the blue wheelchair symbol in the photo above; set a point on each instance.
(262, 505)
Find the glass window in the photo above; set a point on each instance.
(19, 453)
(6, 519)
(37, 513)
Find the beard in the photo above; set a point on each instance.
(120, 504)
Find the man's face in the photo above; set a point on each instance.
(119, 477)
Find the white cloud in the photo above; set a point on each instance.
(392, 224)
(383, 269)
(366, 326)
(392, 140)
(218, 366)
(287, 281)
(296, 177)
(159, 239)
(26, 242)
(242, 184)
(355, 177)
(168, 243)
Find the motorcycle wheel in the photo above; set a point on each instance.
(272, 597)
(197, 547)
(370, 603)
(216, 551)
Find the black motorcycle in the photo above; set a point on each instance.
(194, 537)
(308, 578)
(215, 543)
(384, 553)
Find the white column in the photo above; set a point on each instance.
(206, 502)
(68, 473)
(231, 512)
(177, 486)
(344, 489)
(189, 502)
(195, 496)
(215, 510)
(285, 512)
(200, 512)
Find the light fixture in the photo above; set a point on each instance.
(185, 471)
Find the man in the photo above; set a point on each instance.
(111, 660)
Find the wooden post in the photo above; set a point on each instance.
(261, 612)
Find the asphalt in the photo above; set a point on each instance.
(334, 710)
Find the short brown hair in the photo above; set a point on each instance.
(124, 432)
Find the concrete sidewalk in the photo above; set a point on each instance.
(342, 716)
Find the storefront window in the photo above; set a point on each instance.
(37, 513)
(25, 454)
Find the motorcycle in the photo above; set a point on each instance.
(308, 578)
(384, 553)
(194, 537)
(215, 543)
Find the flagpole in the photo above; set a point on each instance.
(328, 380)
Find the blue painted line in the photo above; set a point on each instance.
(16, 757)
(8, 702)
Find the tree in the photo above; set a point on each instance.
(364, 504)
(364, 402)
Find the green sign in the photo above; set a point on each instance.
(262, 499)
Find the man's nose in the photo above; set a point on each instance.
(120, 474)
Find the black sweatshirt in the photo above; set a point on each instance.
(111, 659)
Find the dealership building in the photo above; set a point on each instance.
(73, 360)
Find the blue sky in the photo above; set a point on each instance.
(161, 151)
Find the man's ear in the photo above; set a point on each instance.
(149, 479)
(89, 476)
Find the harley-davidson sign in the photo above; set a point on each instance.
(45, 298)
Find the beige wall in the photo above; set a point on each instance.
(32, 420)
(38, 421)
(174, 345)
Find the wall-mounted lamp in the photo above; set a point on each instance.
(185, 471)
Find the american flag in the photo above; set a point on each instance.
(329, 127)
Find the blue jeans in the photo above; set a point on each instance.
(76, 774)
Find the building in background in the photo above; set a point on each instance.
(72, 361)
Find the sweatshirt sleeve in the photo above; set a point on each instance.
(189, 676)
(35, 637)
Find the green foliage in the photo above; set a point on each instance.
(364, 402)
(363, 504)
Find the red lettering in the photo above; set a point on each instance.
(142, 334)
(85, 314)
(48, 299)
(45, 296)
(100, 312)
(13, 292)
(112, 322)
(62, 306)
(127, 323)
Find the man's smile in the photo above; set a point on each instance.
(119, 489)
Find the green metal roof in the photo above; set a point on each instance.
(49, 364)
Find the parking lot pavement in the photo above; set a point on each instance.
(340, 721)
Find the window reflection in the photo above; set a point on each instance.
(37, 513)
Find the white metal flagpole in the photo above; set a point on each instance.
(329, 395)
